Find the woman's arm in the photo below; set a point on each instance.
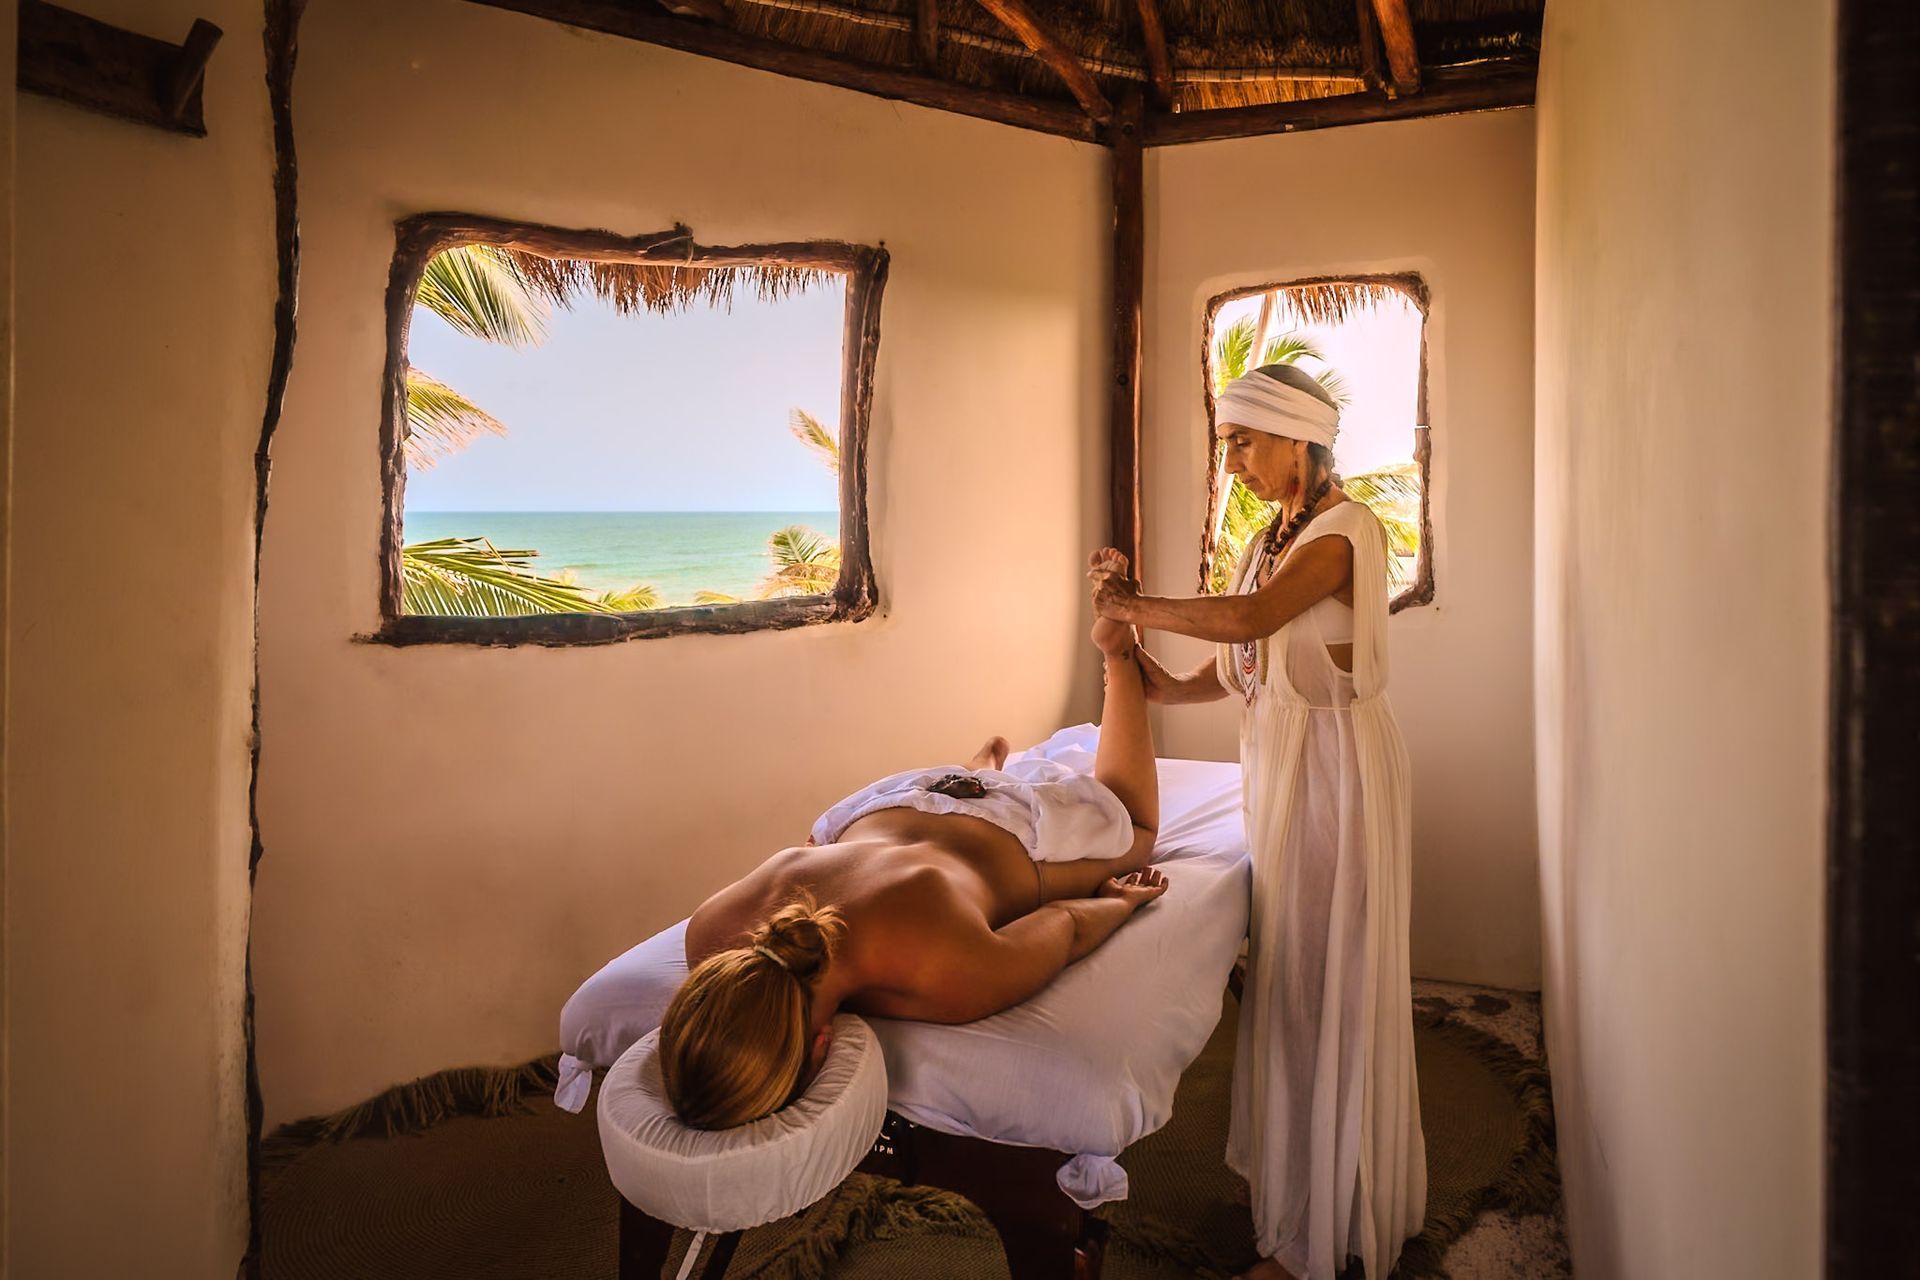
(1202, 684)
(1310, 575)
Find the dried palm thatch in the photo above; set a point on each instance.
(1225, 53)
(1329, 300)
(631, 287)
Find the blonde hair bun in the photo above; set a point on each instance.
(801, 937)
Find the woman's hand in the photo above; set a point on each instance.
(1113, 591)
(1159, 684)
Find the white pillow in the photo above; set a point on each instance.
(731, 1179)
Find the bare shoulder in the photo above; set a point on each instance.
(729, 917)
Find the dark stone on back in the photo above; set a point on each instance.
(961, 786)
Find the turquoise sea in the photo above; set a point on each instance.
(680, 552)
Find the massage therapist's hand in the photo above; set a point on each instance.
(1113, 590)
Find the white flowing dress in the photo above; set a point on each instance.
(1326, 1110)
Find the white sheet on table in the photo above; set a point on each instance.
(1089, 1065)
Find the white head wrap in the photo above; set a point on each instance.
(1262, 403)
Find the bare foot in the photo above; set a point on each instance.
(1113, 638)
(992, 755)
(1138, 888)
(1265, 1269)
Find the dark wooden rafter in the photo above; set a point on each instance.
(726, 45)
(926, 33)
(1129, 290)
(1153, 34)
(1016, 17)
(704, 10)
(1483, 86)
(1403, 58)
(1372, 65)
(1447, 93)
(93, 64)
(855, 595)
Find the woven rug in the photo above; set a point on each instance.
(473, 1175)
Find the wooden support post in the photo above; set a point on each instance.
(926, 33)
(1372, 69)
(1019, 19)
(1403, 59)
(1873, 808)
(1129, 287)
(1153, 32)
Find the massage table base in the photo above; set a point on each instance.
(1046, 1236)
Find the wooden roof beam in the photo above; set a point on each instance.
(926, 33)
(617, 18)
(1403, 59)
(1372, 66)
(1016, 17)
(704, 10)
(1159, 61)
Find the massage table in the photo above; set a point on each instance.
(1023, 1112)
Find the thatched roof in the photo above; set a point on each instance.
(631, 287)
(1225, 53)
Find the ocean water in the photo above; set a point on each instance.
(679, 552)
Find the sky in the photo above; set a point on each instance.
(682, 412)
(689, 412)
(1376, 352)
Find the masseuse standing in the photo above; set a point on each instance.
(1326, 1114)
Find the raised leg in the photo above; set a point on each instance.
(1126, 764)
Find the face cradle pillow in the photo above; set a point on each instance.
(715, 1180)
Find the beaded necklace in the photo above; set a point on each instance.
(1276, 541)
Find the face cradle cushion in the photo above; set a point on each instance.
(716, 1180)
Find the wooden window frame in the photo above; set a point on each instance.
(855, 595)
(1417, 592)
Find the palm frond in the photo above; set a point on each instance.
(1334, 385)
(1290, 348)
(471, 578)
(1233, 353)
(476, 289)
(637, 598)
(441, 421)
(1393, 494)
(1231, 348)
(714, 597)
(811, 432)
(1243, 516)
(1394, 485)
(805, 563)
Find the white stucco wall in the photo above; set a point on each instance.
(144, 289)
(415, 911)
(1684, 334)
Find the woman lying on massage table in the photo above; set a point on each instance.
(942, 895)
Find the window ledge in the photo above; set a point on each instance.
(570, 629)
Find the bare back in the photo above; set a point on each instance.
(946, 916)
(915, 889)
